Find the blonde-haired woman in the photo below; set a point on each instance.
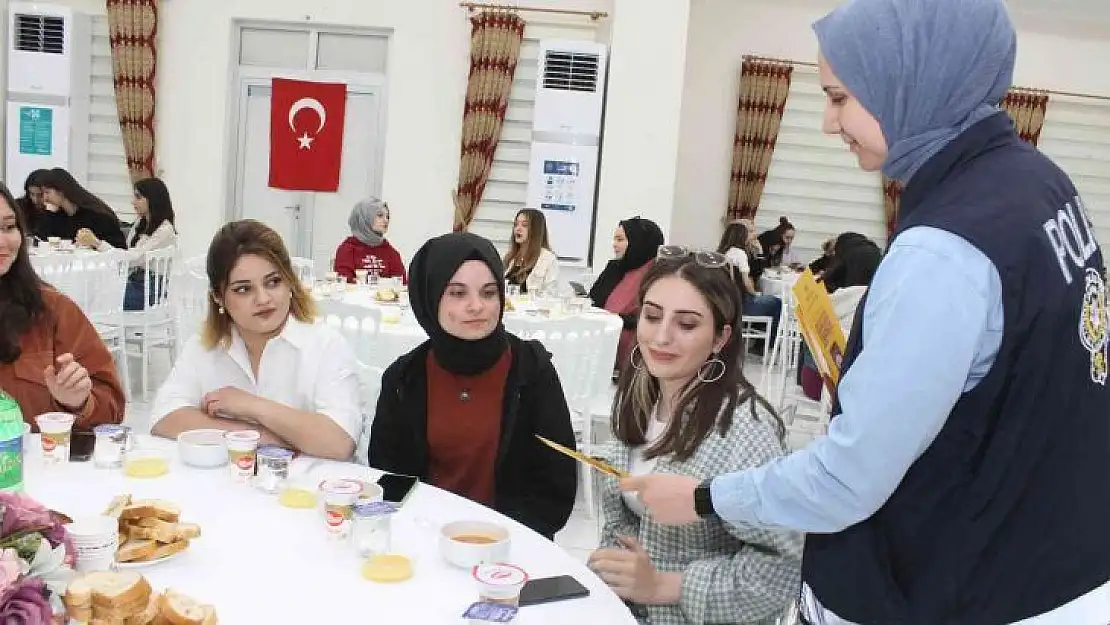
(260, 362)
(530, 263)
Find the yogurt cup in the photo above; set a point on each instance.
(273, 467)
(339, 496)
(56, 429)
(241, 449)
(111, 445)
(499, 583)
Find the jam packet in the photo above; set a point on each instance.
(490, 613)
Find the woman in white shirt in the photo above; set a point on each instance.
(684, 407)
(530, 263)
(737, 242)
(155, 230)
(260, 363)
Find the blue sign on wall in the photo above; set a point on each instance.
(36, 130)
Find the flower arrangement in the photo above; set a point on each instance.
(36, 561)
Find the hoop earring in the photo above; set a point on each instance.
(632, 358)
(714, 365)
(222, 311)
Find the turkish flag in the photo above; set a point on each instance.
(306, 134)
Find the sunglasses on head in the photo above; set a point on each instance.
(706, 258)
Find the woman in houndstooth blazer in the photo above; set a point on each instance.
(686, 362)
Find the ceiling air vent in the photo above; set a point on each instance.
(40, 33)
(570, 71)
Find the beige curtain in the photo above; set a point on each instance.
(494, 49)
(764, 87)
(1027, 108)
(132, 32)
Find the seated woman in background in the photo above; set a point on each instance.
(684, 407)
(31, 204)
(848, 276)
(821, 263)
(462, 410)
(636, 241)
(51, 357)
(777, 244)
(367, 248)
(736, 245)
(530, 263)
(70, 207)
(154, 231)
(259, 362)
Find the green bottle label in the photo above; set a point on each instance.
(11, 463)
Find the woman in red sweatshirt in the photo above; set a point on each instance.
(367, 247)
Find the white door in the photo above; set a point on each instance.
(312, 224)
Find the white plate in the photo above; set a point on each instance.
(146, 563)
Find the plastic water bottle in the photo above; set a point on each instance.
(11, 444)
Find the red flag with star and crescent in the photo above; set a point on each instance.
(306, 134)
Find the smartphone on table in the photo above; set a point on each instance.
(396, 488)
(550, 589)
(81, 445)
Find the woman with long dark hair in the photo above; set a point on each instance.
(70, 207)
(737, 246)
(51, 357)
(31, 204)
(155, 230)
(778, 245)
(963, 479)
(530, 263)
(684, 407)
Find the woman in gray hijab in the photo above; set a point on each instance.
(367, 248)
(963, 480)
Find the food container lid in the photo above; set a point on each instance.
(341, 486)
(500, 574)
(109, 430)
(243, 436)
(374, 508)
(275, 452)
(490, 612)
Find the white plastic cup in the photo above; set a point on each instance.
(56, 429)
(499, 583)
(96, 540)
(241, 449)
(339, 497)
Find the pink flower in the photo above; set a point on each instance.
(26, 603)
(9, 569)
(22, 512)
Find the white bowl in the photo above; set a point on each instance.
(459, 552)
(204, 449)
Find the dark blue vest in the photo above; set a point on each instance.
(1007, 514)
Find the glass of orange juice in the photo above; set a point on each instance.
(146, 463)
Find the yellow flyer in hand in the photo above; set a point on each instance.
(819, 327)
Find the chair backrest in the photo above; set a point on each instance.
(305, 268)
(159, 268)
(188, 294)
(359, 324)
(105, 277)
(370, 387)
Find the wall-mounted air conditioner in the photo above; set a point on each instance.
(48, 91)
(566, 130)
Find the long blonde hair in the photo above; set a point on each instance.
(521, 259)
(233, 241)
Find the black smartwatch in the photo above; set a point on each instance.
(703, 500)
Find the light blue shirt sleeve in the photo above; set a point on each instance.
(932, 326)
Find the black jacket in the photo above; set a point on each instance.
(60, 224)
(533, 484)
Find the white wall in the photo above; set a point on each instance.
(428, 60)
(1062, 53)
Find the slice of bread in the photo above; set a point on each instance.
(136, 549)
(153, 529)
(157, 508)
(179, 609)
(115, 508)
(165, 551)
(108, 590)
(147, 616)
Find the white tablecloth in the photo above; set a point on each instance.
(777, 284)
(259, 562)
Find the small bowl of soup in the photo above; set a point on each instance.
(467, 544)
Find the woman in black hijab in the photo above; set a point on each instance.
(636, 241)
(462, 410)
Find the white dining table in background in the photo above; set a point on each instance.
(259, 562)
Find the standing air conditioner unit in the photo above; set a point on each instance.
(566, 131)
(48, 91)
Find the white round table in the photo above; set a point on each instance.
(259, 562)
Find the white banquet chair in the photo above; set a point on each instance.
(305, 268)
(104, 280)
(155, 325)
(188, 299)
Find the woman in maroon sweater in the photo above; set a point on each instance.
(367, 248)
(462, 410)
